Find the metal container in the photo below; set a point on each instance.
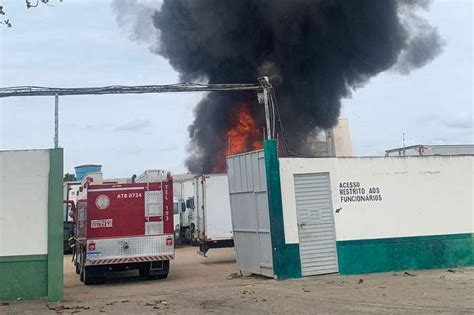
(83, 170)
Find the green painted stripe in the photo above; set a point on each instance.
(55, 226)
(407, 239)
(286, 257)
(7, 259)
(405, 253)
(23, 279)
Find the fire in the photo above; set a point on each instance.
(244, 136)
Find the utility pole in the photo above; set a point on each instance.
(56, 121)
(267, 100)
(403, 144)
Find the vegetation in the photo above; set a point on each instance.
(69, 177)
(29, 4)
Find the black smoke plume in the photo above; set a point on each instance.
(315, 52)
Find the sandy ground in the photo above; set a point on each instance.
(200, 285)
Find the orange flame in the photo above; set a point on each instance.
(244, 136)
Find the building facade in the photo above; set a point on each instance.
(351, 215)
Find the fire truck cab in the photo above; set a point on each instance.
(123, 227)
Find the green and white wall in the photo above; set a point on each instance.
(421, 218)
(31, 224)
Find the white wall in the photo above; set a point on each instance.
(420, 195)
(24, 202)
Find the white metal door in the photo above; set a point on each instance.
(316, 228)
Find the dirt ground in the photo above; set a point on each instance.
(198, 285)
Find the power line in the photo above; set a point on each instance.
(21, 91)
(280, 124)
(16, 91)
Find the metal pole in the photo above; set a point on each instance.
(267, 113)
(56, 121)
(265, 82)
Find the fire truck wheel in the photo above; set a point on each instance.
(86, 278)
(93, 276)
(81, 275)
(157, 277)
(82, 259)
(163, 273)
(89, 281)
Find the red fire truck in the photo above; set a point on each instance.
(124, 226)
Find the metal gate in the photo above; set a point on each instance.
(316, 228)
(250, 215)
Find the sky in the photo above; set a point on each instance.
(79, 44)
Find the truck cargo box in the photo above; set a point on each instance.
(212, 203)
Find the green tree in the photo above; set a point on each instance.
(29, 4)
(69, 177)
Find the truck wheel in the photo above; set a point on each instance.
(82, 259)
(88, 281)
(163, 274)
(93, 276)
(193, 240)
(76, 263)
(86, 277)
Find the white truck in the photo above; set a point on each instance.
(176, 220)
(183, 189)
(211, 204)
